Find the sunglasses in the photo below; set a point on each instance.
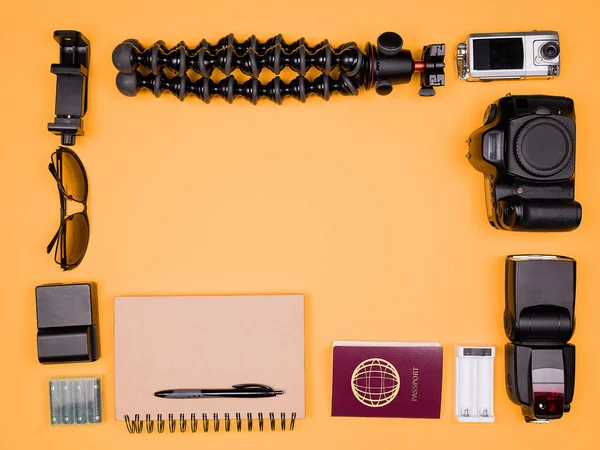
(71, 240)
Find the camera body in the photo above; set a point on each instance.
(539, 320)
(526, 152)
(494, 56)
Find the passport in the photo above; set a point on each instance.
(387, 379)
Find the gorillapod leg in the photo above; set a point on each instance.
(229, 88)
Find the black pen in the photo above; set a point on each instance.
(238, 391)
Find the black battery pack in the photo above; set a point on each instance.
(67, 323)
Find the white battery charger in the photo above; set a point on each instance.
(474, 383)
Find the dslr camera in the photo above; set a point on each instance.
(502, 56)
(526, 152)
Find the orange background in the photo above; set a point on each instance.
(367, 205)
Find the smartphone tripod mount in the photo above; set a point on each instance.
(71, 85)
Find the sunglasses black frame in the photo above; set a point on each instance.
(59, 241)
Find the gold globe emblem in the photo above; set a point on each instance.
(375, 382)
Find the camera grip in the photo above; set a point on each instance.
(540, 215)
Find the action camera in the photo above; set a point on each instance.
(505, 56)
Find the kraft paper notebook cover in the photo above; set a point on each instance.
(387, 379)
(208, 342)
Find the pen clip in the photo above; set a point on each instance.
(252, 385)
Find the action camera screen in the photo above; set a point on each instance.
(498, 54)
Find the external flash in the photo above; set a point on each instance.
(539, 320)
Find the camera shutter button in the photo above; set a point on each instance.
(490, 113)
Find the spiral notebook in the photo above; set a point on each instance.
(207, 342)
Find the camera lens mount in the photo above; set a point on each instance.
(543, 147)
(550, 50)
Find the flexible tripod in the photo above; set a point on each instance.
(344, 69)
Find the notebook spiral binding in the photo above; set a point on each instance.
(136, 425)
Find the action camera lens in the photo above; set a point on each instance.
(550, 50)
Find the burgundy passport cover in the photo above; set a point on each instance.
(386, 379)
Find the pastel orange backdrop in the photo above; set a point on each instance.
(366, 205)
